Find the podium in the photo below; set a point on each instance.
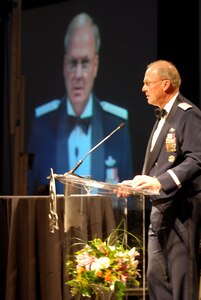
(92, 210)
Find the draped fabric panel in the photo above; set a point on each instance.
(31, 257)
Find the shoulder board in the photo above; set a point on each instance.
(184, 105)
(46, 108)
(114, 109)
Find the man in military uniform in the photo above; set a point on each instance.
(64, 130)
(172, 166)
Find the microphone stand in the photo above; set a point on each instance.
(107, 137)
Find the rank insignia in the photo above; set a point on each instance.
(170, 142)
(110, 161)
(171, 158)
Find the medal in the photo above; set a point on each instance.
(170, 142)
(171, 158)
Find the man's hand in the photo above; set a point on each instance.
(139, 182)
(146, 182)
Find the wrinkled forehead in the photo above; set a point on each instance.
(151, 73)
(82, 40)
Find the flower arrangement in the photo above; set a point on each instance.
(103, 266)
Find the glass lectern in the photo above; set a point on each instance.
(92, 210)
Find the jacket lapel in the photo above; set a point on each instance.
(151, 157)
(147, 154)
(97, 156)
(61, 139)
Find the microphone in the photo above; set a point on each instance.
(107, 137)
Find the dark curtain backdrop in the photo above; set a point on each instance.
(178, 41)
(5, 161)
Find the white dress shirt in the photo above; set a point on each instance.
(79, 143)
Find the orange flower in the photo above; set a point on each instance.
(98, 273)
(81, 270)
(107, 276)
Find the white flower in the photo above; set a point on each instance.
(133, 253)
(119, 254)
(100, 263)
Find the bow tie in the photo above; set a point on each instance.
(77, 121)
(160, 113)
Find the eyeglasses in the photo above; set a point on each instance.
(84, 63)
(151, 83)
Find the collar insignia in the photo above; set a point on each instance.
(110, 161)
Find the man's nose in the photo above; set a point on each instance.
(78, 70)
(143, 88)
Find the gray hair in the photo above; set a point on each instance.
(167, 70)
(78, 22)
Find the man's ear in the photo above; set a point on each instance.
(167, 86)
